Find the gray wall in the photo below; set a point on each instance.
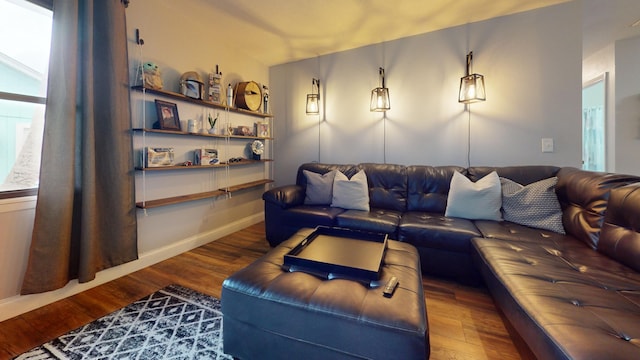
(627, 106)
(532, 67)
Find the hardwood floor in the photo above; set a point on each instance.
(463, 321)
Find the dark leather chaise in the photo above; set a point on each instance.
(574, 296)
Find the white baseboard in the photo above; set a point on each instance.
(19, 304)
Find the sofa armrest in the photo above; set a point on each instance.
(285, 196)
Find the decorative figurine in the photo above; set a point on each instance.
(151, 76)
(265, 99)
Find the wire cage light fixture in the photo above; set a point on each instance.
(313, 99)
(380, 95)
(471, 85)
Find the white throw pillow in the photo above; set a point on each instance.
(319, 187)
(351, 194)
(481, 200)
(534, 205)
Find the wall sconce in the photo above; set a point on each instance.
(313, 99)
(471, 85)
(380, 96)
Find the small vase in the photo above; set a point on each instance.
(212, 131)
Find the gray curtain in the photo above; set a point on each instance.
(85, 214)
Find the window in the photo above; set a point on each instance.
(25, 41)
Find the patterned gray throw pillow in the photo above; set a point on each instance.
(534, 205)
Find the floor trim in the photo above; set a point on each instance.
(18, 304)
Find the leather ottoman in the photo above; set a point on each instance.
(272, 314)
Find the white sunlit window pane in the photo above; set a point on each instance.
(25, 40)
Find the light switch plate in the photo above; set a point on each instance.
(547, 145)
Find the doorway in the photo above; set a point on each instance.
(594, 119)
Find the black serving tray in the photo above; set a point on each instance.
(339, 253)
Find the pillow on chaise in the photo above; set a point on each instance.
(534, 205)
(481, 200)
(352, 194)
(319, 187)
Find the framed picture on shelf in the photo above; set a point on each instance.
(243, 131)
(167, 116)
(262, 129)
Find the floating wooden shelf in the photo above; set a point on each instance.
(174, 132)
(198, 196)
(194, 167)
(179, 167)
(248, 185)
(178, 199)
(248, 162)
(181, 97)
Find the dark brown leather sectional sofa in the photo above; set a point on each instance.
(573, 296)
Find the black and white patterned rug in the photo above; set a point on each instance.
(172, 323)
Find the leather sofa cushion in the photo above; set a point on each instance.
(507, 230)
(620, 237)
(571, 302)
(311, 215)
(435, 231)
(387, 185)
(428, 187)
(523, 175)
(583, 196)
(285, 196)
(376, 220)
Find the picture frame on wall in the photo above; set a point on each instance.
(168, 118)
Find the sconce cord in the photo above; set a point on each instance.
(468, 135)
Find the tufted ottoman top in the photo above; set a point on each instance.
(337, 318)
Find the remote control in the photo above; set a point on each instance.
(390, 287)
